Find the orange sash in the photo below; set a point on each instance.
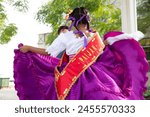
(77, 65)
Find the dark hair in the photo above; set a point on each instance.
(61, 28)
(80, 15)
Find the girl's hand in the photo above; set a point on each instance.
(105, 42)
(24, 48)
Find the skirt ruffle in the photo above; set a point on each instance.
(119, 73)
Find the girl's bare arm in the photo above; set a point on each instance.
(27, 48)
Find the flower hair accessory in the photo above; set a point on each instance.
(67, 15)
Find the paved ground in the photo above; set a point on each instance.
(8, 93)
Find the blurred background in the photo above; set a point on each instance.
(35, 23)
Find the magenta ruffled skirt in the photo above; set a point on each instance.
(120, 73)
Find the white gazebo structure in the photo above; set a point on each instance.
(129, 16)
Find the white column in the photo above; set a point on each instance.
(129, 16)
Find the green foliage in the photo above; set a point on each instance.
(143, 11)
(3, 16)
(147, 93)
(8, 30)
(145, 42)
(19, 5)
(105, 16)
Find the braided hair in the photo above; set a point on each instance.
(79, 16)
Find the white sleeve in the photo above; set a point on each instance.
(112, 40)
(57, 46)
(136, 35)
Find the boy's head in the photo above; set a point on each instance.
(62, 29)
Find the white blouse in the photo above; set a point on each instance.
(66, 41)
(69, 42)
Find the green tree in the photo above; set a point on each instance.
(7, 30)
(105, 16)
(143, 11)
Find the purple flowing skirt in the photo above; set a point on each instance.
(119, 73)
